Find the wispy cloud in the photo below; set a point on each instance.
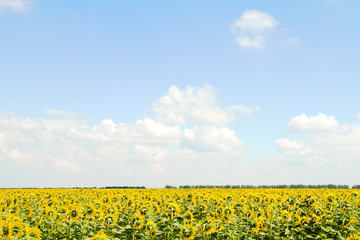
(16, 5)
(293, 41)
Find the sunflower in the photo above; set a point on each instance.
(207, 226)
(227, 216)
(137, 221)
(296, 220)
(90, 211)
(74, 214)
(219, 211)
(49, 212)
(33, 232)
(17, 228)
(173, 209)
(151, 228)
(100, 235)
(111, 210)
(6, 230)
(98, 215)
(355, 236)
(201, 208)
(28, 211)
(188, 217)
(188, 232)
(155, 208)
(144, 211)
(285, 216)
(110, 221)
(219, 226)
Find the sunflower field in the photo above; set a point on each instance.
(179, 214)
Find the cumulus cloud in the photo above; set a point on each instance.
(16, 5)
(256, 43)
(255, 21)
(195, 105)
(252, 28)
(187, 131)
(209, 138)
(292, 147)
(331, 147)
(313, 124)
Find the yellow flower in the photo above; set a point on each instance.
(110, 221)
(151, 228)
(354, 237)
(6, 230)
(188, 217)
(137, 221)
(90, 211)
(188, 231)
(74, 213)
(17, 228)
(100, 235)
(207, 226)
(173, 209)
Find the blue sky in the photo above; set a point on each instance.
(97, 93)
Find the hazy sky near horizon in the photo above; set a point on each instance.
(155, 93)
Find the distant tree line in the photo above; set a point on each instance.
(330, 186)
(126, 187)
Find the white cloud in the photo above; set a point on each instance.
(244, 110)
(193, 105)
(257, 43)
(358, 116)
(147, 148)
(212, 139)
(255, 21)
(252, 29)
(69, 166)
(60, 113)
(292, 147)
(330, 148)
(196, 105)
(313, 124)
(16, 5)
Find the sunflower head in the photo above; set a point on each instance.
(90, 211)
(151, 228)
(144, 210)
(17, 228)
(188, 232)
(100, 235)
(173, 209)
(207, 226)
(6, 230)
(137, 221)
(110, 221)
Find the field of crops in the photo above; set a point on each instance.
(179, 214)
